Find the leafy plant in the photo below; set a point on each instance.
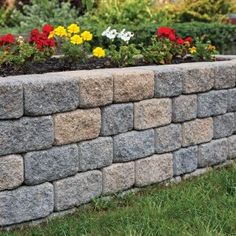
(41, 12)
(203, 51)
(123, 55)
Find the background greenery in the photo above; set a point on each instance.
(207, 19)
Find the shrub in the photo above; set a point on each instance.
(221, 35)
(40, 12)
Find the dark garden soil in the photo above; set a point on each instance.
(62, 64)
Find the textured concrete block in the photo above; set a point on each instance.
(213, 153)
(184, 108)
(212, 103)
(25, 204)
(232, 147)
(26, 134)
(118, 177)
(185, 160)
(133, 145)
(11, 171)
(168, 138)
(197, 131)
(96, 89)
(224, 125)
(96, 153)
(232, 100)
(11, 99)
(133, 85)
(152, 113)
(225, 76)
(168, 82)
(197, 78)
(117, 118)
(78, 125)
(153, 169)
(50, 95)
(77, 190)
(51, 164)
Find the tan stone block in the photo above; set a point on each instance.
(152, 113)
(131, 85)
(96, 89)
(11, 171)
(78, 125)
(153, 169)
(118, 177)
(197, 131)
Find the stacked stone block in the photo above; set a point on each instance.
(69, 137)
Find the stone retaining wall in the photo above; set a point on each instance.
(66, 138)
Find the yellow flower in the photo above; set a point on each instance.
(76, 39)
(73, 29)
(99, 52)
(193, 50)
(211, 47)
(51, 35)
(87, 36)
(60, 31)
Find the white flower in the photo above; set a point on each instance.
(125, 36)
(110, 33)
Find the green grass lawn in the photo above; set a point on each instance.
(205, 206)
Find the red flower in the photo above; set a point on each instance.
(180, 41)
(7, 39)
(47, 29)
(172, 37)
(165, 32)
(41, 39)
(189, 39)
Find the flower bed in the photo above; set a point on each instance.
(36, 54)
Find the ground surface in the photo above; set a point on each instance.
(205, 206)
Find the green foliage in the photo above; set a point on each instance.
(205, 10)
(220, 35)
(22, 54)
(40, 12)
(204, 51)
(75, 52)
(123, 55)
(158, 52)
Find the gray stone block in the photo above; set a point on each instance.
(26, 134)
(168, 138)
(223, 125)
(118, 177)
(77, 190)
(198, 78)
(212, 103)
(232, 99)
(185, 160)
(51, 164)
(50, 95)
(117, 119)
(11, 99)
(168, 83)
(11, 171)
(213, 153)
(232, 147)
(133, 145)
(25, 204)
(184, 108)
(96, 153)
(154, 169)
(225, 76)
